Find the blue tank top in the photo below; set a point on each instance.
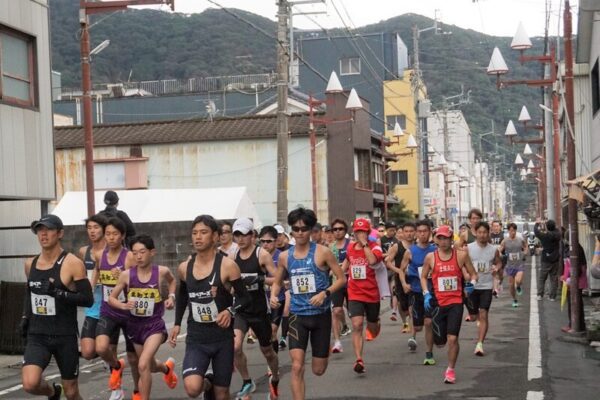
(90, 265)
(306, 280)
(416, 264)
(281, 296)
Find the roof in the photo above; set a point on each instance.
(186, 130)
(164, 205)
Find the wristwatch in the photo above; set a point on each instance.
(327, 292)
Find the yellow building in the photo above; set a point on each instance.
(399, 106)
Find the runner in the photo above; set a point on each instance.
(254, 263)
(339, 248)
(146, 326)
(410, 278)
(445, 302)
(308, 266)
(486, 260)
(228, 246)
(327, 236)
(316, 235)
(515, 248)
(283, 240)
(468, 235)
(282, 244)
(363, 292)
(496, 237)
(387, 241)
(205, 283)
(394, 260)
(115, 259)
(56, 286)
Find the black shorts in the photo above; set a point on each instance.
(446, 321)
(277, 313)
(40, 349)
(88, 330)
(338, 298)
(403, 301)
(260, 325)
(479, 299)
(417, 304)
(110, 327)
(198, 357)
(316, 328)
(361, 308)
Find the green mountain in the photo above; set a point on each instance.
(151, 44)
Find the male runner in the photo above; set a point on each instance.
(254, 263)
(316, 235)
(327, 235)
(387, 241)
(205, 283)
(282, 244)
(146, 326)
(115, 259)
(307, 265)
(228, 246)
(496, 237)
(339, 248)
(363, 292)
(410, 278)
(468, 235)
(486, 260)
(283, 240)
(394, 260)
(515, 248)
(445, 266)
(56, 286)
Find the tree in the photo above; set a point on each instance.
(400, 214)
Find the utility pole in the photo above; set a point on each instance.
(576, 317)
(283, 59)
(421, 146)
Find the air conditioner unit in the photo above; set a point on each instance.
(116, 90)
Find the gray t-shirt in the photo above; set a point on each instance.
(514, 252)
(483, 258)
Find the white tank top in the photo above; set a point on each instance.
(482, 258)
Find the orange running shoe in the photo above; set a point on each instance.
(114, 381)
(170, 378)
(136, 396)
(372, 335)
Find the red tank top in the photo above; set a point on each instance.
(447, 280)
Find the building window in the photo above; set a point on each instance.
(595, 88)
(377, 173)
(392, 119)
(362, 173)
(125, 173)
(17, 68)
(399, 178)
(350, 66)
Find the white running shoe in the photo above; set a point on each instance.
(117, 395)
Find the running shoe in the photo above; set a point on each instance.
(369, 335)
(449, 376)
(552, 298)
(273, 389)
(119, 395)
(136, 395)
(170, 377)
(412, 344)
(209, 393)
(114, 382)
(359, 366)
(394, 316)
(58, 390)
(246, 389)
(282, 343)
(515, 304)
(479, 349)
(429, 360)
(345, 330)
(540, 298)
(405, 328)
(519, 290)
(337, 347)
(250, 339)
(468, 318)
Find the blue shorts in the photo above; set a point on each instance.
(512, 271)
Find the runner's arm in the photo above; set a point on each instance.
(113, 299)
(278, 276)
(403, 266)
(266, 261)
(340, 277)
(82, 295)
(427, 267)
(465, 262)
(391, 254)
(167, 276)
(231, 274)
(182, 295)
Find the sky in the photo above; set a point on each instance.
(492, 17)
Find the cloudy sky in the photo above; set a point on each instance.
(493, 17)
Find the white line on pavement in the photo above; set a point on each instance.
(535, 395)
(534, 366)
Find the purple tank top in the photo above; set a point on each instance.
(109, 282)
(148, 303)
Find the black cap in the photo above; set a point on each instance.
(390, 224)
(50, 221)
(326, 228)
(111, 198)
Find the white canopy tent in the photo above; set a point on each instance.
(164, 205)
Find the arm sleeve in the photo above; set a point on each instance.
(181, 304)
(81, 297)
(242, 297)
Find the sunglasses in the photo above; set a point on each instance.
(237, 233)
(338, 229)
(264, 241)
(301, 228)
(381, 231)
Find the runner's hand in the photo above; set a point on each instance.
(274, 301)
(318, 299)
(224, 319)
(115, 272)
(169, 303)
(427, 301)
(406, 288)
(130, 305)
(173, 335)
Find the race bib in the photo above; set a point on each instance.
(205, 313)
(303, 284)
(142, 307)
(43, 305)
(107, 290)
(359, 272)
(448, 284)
(513, 256)
(483, 267)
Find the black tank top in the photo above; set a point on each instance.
(251, 267)
(496, 238)
(88, 261)
(50, 316)
(399, 254)
(207, 298)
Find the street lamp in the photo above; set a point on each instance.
(398, 131)
(527, 151)
(519, 160)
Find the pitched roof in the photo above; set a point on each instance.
(188, 130)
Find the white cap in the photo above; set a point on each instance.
(279, 228)
(243, 225)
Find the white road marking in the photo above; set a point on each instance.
(535, 395)
(534, 366)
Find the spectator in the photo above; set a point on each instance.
(582, 284)
(550, 238)
(595, 271)
(111, 200)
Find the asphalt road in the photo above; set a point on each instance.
(507, 371)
